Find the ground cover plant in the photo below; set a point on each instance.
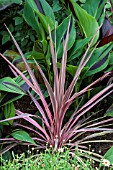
(50, 160)
(64, 96)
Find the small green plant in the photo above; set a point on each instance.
(50, 160)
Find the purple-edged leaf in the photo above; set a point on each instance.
(34, 123)
(36, 89)
(83, 62)
(54, 62)
(23, 58)
(7, 148)
(16, 117)
(92, 102)
(50, 91)
(40, 109)
(7, 139)
(62, 75)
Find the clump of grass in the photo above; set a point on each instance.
(49, 160)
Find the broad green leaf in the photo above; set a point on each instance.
(100, 68)
(47, 9)
(99, 55)
(22, 136)
(100, 13)
(109, 155)
(45, 20)
(9, 85)
(88, 23)
(111, 58)
(30, 18)
(32, 4)
(77, 48)
(9, 2)
(61, 33)
(9, 111)
(72, 69)
(91, 6)
(39, 49)
(56, 7)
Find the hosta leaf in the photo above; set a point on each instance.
(9, 85)
(22, 136)
(109, 155)
(88, 23)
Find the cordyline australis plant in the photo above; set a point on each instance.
(54, 131)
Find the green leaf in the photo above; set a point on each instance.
(45, 20)
(9, 85)
(88, 23)
(18, 20)
(30, 18)
(77, 48)
(100, 14)
(72, 69)
(9, 2)
(32, 4)
(109, 111)
(61, 32)
(98, 55)
(56, 7)
(47, 9)
(22, 136)
(5, 38)
(109, 155)
(91, 7)
(9, 111)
